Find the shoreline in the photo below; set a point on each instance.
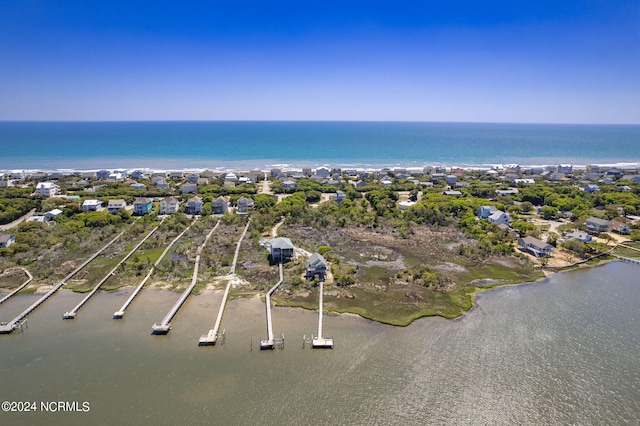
(265, 166)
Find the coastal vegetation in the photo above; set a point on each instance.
(398, 246)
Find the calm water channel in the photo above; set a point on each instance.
(562, 351)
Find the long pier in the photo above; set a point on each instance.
(319, 341)
(211, 337)
(72, 313)
(23, 285)
(15, 323)
(269, 343)
(164, 326)
(120, 312)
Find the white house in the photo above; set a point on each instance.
(52, 214)
(499, 218)
(91, 205)
(581, 236)
(47, 189)
(6, 240)
(114, 206)
(169, 205)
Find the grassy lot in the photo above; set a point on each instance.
(627, 252)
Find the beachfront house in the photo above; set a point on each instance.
(6, 240)
(103, 174)
(452, 193)
(535, 247)
(220, 205)
(244, 204)
(169, 205)
(47, 189)
(91, 206)
(194, 205)
(499, 218)
(114, 206)
(280, 249)
(142, 206)
(596, 225)
(316, 265)
(486, 211)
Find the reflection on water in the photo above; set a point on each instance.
(564, 351)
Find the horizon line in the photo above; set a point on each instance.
(316, 121)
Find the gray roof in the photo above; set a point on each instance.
(281, 243)
(316, 259)
(598, 221)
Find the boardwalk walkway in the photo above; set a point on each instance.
(17, 290)
(269, 343)
(211, 337)
(164, 326)
(319, 341)
(120, 313)
(15, 323)
(72, 313)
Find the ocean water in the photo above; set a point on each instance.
(244, 145)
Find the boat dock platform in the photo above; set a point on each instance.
(17, 321)
(211, 337)
(270, 342)
(319, 341)
(72, 313)
(120, 312)
(164, 326)
(23, 285)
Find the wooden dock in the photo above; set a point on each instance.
(164, 326)
(211, 337)
(15, 323)
(319, 341)
(627, 259)
(270, 342)
(72, 313)
(17, 290)
(120, 312)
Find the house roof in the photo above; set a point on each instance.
(281, 243)
(116, 202)
(535, 242)
(496, 214)
(598, 221)
(5, 237)
(316, 259)
(142, 200)
(195, 199)
(170, 200)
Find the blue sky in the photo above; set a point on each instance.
(570, 61)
